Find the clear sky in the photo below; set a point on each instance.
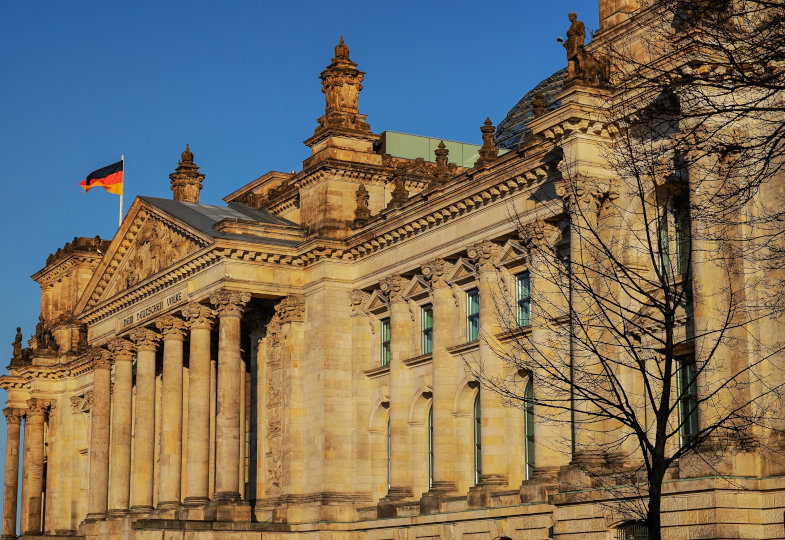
(83, 82)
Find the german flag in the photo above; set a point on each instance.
(110, 178)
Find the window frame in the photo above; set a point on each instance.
(426, 332)
(477, 421)
(384, 344)
(686, 375)
(430, 447)
(521, 300)
(528, 404)
(472, 318)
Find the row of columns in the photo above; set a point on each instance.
(130, 484)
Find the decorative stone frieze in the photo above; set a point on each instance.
(230, 303)
(291, 308)
(144, 338)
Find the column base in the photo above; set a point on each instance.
(141, 510)
(227, 496)
(387, 506)
(233, 511)
(196, 501)
(480, 495)
(431, 501)
(91, 516)
(117, 512)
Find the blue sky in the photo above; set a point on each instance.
(84, 82)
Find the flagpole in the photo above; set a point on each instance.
(120, 219)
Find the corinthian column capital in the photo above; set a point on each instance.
(435, 271)
(101, 358)
(198, 315)
(37, 407)
(13, 415)
(171, 327)
(483, 254)
(291, 308)
(393, 287)
(230, 303)
(121, 349)
(145, 339)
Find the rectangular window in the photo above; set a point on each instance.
(385, 342)
(523, 297)
(683, 238)
(664, 244)
(473, 315)
(686, 373)
(427, 329)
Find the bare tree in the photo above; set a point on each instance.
(656, 294)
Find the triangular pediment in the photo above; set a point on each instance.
(148, 243)
(511, 254)
(377, 303)
(417, 289)
(463, 272)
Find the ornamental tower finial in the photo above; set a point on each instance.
(186, 179)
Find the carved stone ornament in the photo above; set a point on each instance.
(186, 179)
(100, 358)
(581, 65)
(539, 104)
(198, 315)
(341, 84)
(156, 246)
(362, 211)
(399, 193)
(488, 151)
(122, 349)
(230, 303)
(291, 308)
(83, 403)
(144, 338)
(434, 271)
(442, 172)
(358, 298)
(483, 255)
(17, 345)
(171, 327)
(393, 287)
(43, 341)
(13, 415)
(37, 407)
(537, 235)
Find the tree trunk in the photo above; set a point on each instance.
(655, 499)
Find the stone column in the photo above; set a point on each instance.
(120, 446)
(445, 478)
(200, 319)
(229, 305)
(400, 348)
(33, 464)
(99, 436)
(494, 445)
(144, 420)
(169, 479)
(11, 486)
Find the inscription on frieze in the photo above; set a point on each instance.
(149, 308)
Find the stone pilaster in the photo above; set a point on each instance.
(445, 322)
(400, 340)
(146, 342)
(99, 436)
(229, 305)
(120, 446)
(11, 481)
(491, 367)
(200, 318)
(169, 479)
(33, 464)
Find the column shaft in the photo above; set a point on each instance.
(169, 479)
(198, 444)
(144, 421)
(33, 465)
(120, 449)
(11, 482)
(99, 437)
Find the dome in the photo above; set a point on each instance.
(512, 131)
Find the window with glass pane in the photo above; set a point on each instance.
(477, 440)
(430, 447)
(664, 240)
(522, 293)
(472, 315)
(683, 237)
(385, 343)
(528, 403)
(427, 329)
(688, 397)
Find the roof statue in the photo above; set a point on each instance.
(488, 152)
(581, 65)
(186, 179)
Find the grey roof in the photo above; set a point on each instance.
(204, 217)
(512, 131)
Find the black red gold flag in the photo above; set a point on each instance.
(110, 178)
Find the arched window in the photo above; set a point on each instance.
(477, 439)
(389, 454)
(632, 530)
(430, 447)
(528, 407)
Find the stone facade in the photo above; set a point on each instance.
(263, 369)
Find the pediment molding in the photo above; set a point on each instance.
(377, 303)
(418, 289)
(463, 272)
